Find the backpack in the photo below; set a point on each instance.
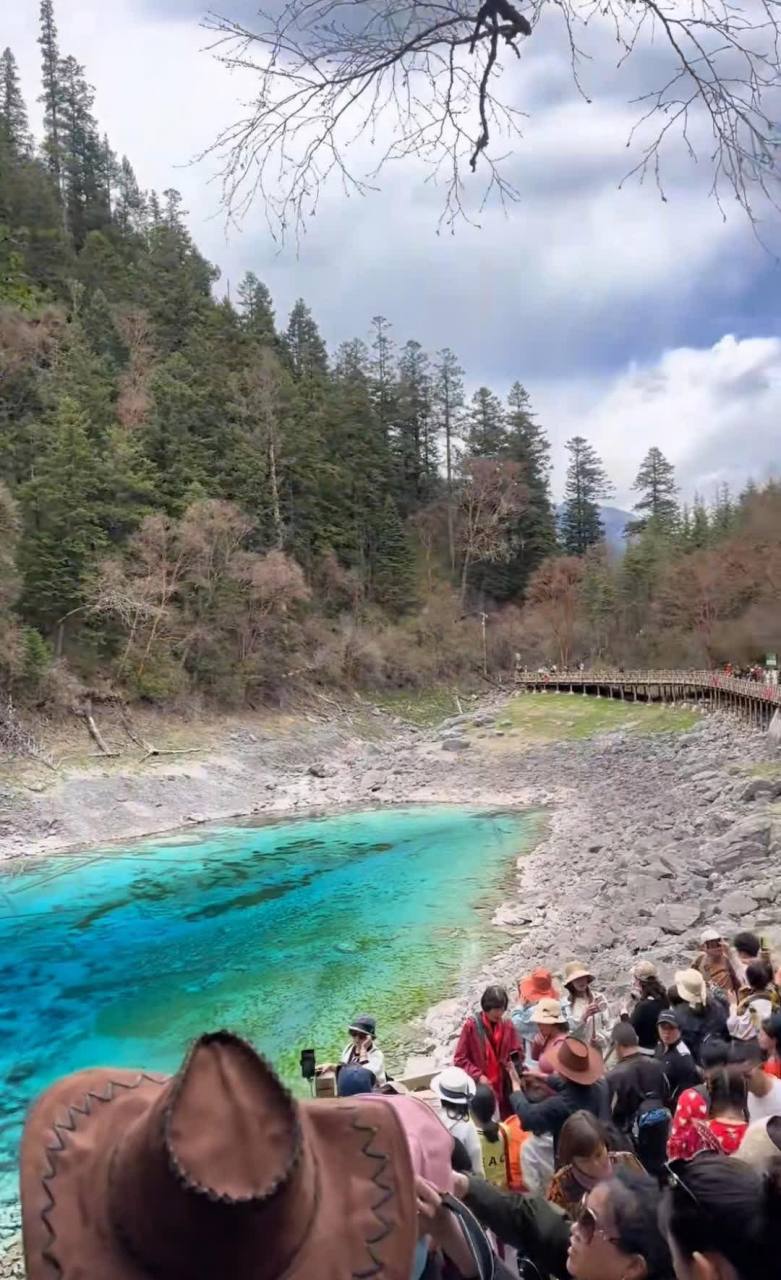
(650, 1130)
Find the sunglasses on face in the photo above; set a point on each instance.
(587, 1223)
(674, 1170)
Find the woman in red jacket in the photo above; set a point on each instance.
(487, 1039)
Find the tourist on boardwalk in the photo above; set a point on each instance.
(758, 1002)
(721, 1219)
(650, 998)
(725, 1124)
(764, 1091)
(487, 1040)
(577, 1085)
(534, 987)
(615, 1235)
(586, 1010)
(770, 1044)
(675, 1056)
(701, 1017)
(639, 1099)
(717, 965)
(455, 1090)
(552, 1027)
(362, 1050)
(693, 1103)
(584, 1159)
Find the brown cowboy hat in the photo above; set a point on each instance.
(577, 1061)
(217, 1172)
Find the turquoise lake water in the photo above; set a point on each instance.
(282, 932)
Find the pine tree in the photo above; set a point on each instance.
(52, 97)
(485, 428)
(358, 475)
(449, 402)
(384, 389)
(413, 439)
(257, 311)
(130, 208)
(63, 536)
(393, 579)
(700, 536)
(656, 482)
(534, 533)
(13, 112)
(587, 482)
(304, 346)
(86, 182)
(724, 513)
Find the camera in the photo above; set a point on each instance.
(308, 1064)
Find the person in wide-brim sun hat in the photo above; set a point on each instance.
(552, 1027)
(454, 1089)
(537, 985)
(587, 1010)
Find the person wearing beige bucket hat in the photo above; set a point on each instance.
(587, 1010)
(700, 1016)
(216, 1172)
(552, 1027)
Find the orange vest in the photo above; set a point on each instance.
(515, 1136)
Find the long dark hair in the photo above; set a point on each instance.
(727, 1091)
(719, 1204)
(581, 1137)
(652, 989)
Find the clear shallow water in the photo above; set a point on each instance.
(282, 932)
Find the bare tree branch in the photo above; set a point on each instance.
(426, 81)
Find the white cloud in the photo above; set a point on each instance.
(714, 412)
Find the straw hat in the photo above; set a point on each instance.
(547, 1013)
(644, 969)
(577, 1061)
(217, 1171)
(575, 969)
(691, 986)
(537, 985)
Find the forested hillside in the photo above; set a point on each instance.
(199, 499)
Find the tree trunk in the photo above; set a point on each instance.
(276, 511)
(94, 731)
(451, 541)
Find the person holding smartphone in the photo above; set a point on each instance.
(362, 1051)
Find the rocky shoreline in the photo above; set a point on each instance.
(649, 837)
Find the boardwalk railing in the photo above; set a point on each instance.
(752, 698)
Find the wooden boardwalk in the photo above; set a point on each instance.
(757, 702)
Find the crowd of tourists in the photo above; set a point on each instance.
(569, 1137)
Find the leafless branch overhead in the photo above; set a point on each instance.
(429, 82)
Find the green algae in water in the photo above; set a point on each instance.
(282, 932)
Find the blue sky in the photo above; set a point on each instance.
(630, 320)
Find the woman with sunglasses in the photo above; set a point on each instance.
(615, 1235)
(722, 1219)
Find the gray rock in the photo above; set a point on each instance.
(645, 890)
(751, 830)
(642, 938)
(483, 721)
(322, 770)
(456, 744)
(739, 903)
(764, 892)
(757, 787)
(677, 917)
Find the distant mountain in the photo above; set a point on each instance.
(615, 521)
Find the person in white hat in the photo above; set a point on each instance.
(700, 1016)
(453, 1089)
(717, 966)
